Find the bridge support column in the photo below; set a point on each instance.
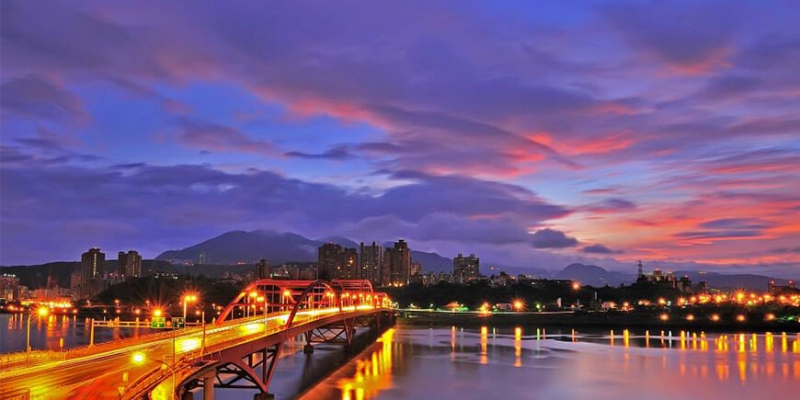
(208, 385)
(308, 349)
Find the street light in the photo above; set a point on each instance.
(139, 359)
(42, 311)
(186, 299)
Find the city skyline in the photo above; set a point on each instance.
(532, 134)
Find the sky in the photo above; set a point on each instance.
(533, 134)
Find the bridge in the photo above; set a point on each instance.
(238, 350)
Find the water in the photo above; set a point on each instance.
(47, 332)
(511, 363)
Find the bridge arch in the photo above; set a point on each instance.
(266, 295)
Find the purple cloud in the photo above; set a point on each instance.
(600, 249)
(219, 138)
(36, 97)
(552, 239)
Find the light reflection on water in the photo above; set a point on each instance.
(48, 332)
(523, 363)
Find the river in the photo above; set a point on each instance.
(512, 363)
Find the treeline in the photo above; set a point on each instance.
(545, 293)
(166, 291)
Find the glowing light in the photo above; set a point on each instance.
(740, 318)
(690, 317)
(157, 312)
(137, 358)
(43, 311)
(576, 285)
(769, 317)
(715, 317)
(184, 345)
(253, 328)
(519, 305)
(664, 317)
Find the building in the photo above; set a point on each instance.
(329, 257)
(371, 262)
(396, 265)
(263, 269)
(416, 269)
(466, 269)
(9, 287)
(336, 262)
(91, 271)
(349, 264)
(130, 264)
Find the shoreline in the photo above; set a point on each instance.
(596, 320)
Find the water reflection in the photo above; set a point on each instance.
(523, 363)
(372, 374)
(50, 331)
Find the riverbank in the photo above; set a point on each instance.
(602, 320)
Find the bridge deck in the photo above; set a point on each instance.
(104, 371)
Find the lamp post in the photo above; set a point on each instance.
(139, 358)
(186, 299)
(42, 311)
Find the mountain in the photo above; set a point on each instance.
(341, 241)
(278, 248)
(235, 246)
(592, 275)
(596, 276)
(732, 281)
(432, 261)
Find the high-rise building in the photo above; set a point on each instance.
(91, 270)
(336, 262)
(466, 269)
(130, 264)
(349, 265)
(396, 265)
(371, 262)
(262, 269)
(329, 258)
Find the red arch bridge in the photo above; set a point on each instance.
(239, 350)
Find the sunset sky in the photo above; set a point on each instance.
(531, 133)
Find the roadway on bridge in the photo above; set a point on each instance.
(103, 373)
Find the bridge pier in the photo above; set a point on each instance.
(264, 396)
(208, 385)
(308, 349)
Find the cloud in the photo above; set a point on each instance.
(337, 153)
(552, 239)
(220, 138)
(38, 98)
(692, 37)
(599, 249)
(612, 205)
(191, 203)
(671, 116)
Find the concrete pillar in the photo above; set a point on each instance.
(208, 386)
(308, 349)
